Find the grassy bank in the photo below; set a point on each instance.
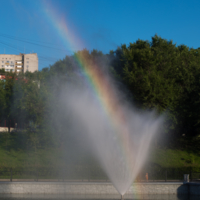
(15, 153)
(175, 158)
(166, 158)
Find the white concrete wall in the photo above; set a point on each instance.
(95, 188)
(5, 129)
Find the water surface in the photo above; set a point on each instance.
(95, 197)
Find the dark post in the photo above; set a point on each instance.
(153, 173)
(191, 174)
(11, 174)
(166, 176)
(9, 125)
(88, 174)
(36, 175)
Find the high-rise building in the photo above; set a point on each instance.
(19, 63)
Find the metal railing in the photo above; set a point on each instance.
(89, 173)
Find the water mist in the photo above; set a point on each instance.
(120, 143)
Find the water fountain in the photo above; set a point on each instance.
(120, 144)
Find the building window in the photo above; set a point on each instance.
(27, 66)
(27, 58)
(11, 65)
(27, 61)
(2, 65)
(11, 62)
(2, 61)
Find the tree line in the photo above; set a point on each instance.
(155, 74)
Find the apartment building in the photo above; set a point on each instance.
(19, 63)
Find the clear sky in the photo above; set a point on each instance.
(56, 28)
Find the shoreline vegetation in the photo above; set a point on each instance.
(153, 75)
(23, 154)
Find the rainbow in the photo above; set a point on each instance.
(97, 80)
(94, 76)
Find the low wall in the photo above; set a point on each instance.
(5, 129)
(96, 188)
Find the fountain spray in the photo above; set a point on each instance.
(121, 148)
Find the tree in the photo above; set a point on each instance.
(164, 77)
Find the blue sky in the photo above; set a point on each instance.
(98, 24)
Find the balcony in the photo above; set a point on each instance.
(18, 63)
(19, 66)
(18, 70)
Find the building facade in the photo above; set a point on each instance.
(19, 63)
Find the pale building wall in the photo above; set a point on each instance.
(30, 62)
(5, 129)
(19, 63)
(8, 62)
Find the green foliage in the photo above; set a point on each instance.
(156, 74)
(164, 77)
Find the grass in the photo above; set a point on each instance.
(172, 158)
(184, 153)
(166, 158)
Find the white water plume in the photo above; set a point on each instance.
(121, 148)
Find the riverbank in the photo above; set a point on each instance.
(16, 152)
(97, 188)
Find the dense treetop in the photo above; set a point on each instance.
(155, 74)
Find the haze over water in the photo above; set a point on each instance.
(120, 140)
(99, 197)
